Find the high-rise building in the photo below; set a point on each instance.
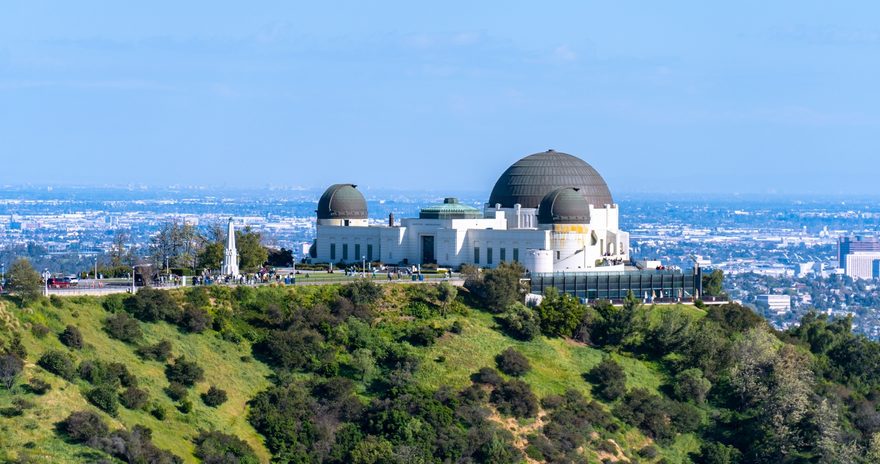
(855, 244)
(857, 254)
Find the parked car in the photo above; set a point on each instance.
(58, 282)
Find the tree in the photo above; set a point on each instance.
(211, 256)
(251, 252)
(521, 322)
(512, 362)
(497, 288)
(690, 385)
(713, 283)
(177, 244)
(610, 378)
(10, 368)
(24, 281)
(121, 255)
(280, 257)
(446, 295)
(560, 314)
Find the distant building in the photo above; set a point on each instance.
(779, 304)
(550, 211)
(860, 265)
(856, 244)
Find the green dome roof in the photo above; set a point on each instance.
(564, 206)
(450, 209)
(342, 201)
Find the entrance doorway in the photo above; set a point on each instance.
(428, 256)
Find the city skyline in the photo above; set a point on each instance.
(691, 97)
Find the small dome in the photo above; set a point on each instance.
(450, 209)
(564, 206)
(342, 201)
(528, 180)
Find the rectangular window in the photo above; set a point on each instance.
(558, 255)
(332, 252)
(516, 255)
(345, 252)
(357, 251)
(476, 255)
(503, 255)
(488, 256)
(369, 252)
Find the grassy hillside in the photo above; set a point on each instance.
(33, 434)
(414, 373)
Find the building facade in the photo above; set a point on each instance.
(549, 211)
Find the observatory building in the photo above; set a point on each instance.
(549, 211)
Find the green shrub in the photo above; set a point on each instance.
(515, 398)
(609, 378)
(104, 397)
(115, 303)
(217, 447)
(152, 305)
(487, 376)
(185, 406)
(134, 398)
(84, 427)
(39, 330)
(176, 391)
(214, 397)
(195, 320)
(512, 362)
(184, 372)
(161, 351)
(158, 412)
(38, 386)
(123, 327)
(521, 322)
(58, 363)
(71, 337)
(690, 385)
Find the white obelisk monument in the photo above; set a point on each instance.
(230, 256)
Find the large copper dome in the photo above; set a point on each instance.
(530, 179)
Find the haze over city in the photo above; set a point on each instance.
(687, 97)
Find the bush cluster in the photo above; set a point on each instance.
(512, 362)
(71, 337)
(214, 397)
(184, 372)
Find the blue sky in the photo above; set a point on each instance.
(744, 97)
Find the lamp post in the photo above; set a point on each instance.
(2, 274)
(363, 266)
(96, 268)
